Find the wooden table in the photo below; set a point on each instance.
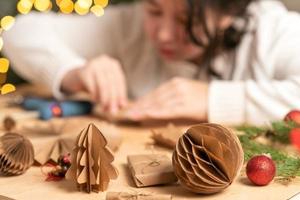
(32, 185)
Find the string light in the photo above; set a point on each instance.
(4, 64)
(97, 10)
(7, 22)
(66, 6)
(25, 6)
(1, 43)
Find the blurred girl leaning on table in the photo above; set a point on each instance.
(222, 61)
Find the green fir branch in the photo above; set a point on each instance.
(287, 166)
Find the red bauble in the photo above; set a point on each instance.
(295, 137)
(261, 170)
(294, 116)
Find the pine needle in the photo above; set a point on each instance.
(287, 166)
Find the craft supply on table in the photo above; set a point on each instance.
(16, 154)
(133, 195)
(208, 158)
(50, 108)
(168, 136)
(91, 167)
(151, 169)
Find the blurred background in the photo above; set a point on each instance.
(8, 7)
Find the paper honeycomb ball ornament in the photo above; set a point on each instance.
(16, 154)
(207, 158)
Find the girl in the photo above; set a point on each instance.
(223, 61)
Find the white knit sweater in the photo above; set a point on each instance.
(260, 80)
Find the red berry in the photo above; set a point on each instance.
(294, 116)
(261, 170)
(66, 159)
(295, 137)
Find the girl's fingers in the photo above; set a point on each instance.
(112, 89)
(157, 98)
(168, 110)
(121, 88)
(165, 88)
(103, 78)
(103, 96)
(90, 86)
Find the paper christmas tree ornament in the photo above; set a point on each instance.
(16, 154)
(207, 158)
(91, 166)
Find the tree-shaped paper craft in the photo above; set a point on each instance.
(91, 166)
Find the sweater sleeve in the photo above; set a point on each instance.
(274, 89)
(44, 47)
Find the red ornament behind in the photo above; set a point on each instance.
(294, 116)
(295, 137)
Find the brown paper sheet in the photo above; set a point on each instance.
(168, 136)
(136, 196)
(91, 167)
(152, 169)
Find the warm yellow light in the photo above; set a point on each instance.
(97, 10)
(24, 6)
(1, 43)
(7, 88)
(42, 5)
(4, 65)
(102, 3)
(66, 6)
(82, 7)
(85, 3)
(7, 22)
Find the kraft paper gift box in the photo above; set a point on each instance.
(152, 169)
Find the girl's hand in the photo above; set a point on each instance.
(178, 98)
(103, 79)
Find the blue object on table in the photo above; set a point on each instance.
(48, 108)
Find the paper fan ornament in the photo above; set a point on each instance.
(207, 158)
(16, 154)
(91, 166)
(51, 148)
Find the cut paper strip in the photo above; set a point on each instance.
(132, 195)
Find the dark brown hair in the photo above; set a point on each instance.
(218, 40)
